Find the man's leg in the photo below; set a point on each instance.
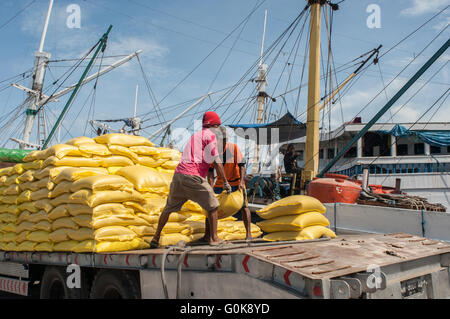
(246, 217)
(161, 223)
(212, 221)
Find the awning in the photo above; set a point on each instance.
(435, 138)
(289, 128)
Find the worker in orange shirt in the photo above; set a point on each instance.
(234, 168)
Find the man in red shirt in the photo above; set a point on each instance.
(189, 181)
(234, 168)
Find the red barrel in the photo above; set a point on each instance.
(334, 190)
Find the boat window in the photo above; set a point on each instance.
(402, 149)
(350, 153)
(330, 153)
(435, 149)
(419, 149)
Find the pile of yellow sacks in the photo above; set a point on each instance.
(296, 217)
(96, 195)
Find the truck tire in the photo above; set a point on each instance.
(117, 284)
(54, 285)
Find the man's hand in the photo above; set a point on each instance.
(242, 185)
(227, 187)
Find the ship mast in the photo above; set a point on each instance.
(313, 111)
(40, 64)
(262, 83)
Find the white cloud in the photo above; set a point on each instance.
(420, 7)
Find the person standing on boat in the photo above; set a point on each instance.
(290, 161)
(189, 181)
(234, 167)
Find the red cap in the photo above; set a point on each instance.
(210, 119)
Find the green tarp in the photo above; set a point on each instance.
(12, 156)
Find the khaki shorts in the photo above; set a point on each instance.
(190, 187)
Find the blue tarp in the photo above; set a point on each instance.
(435, 138)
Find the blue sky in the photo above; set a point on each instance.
(177, 34)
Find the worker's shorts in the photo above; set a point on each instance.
(190, 187)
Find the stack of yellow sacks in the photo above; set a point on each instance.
(296, 217)
(93, 195)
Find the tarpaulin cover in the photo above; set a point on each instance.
(289, 128)
(435, 138)
(13, 156)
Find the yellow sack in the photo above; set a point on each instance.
(59, 151)
(195, 226)
(113, 169)
(59, 235)
(145, 150)
(123, 221)
(114, 233)
(38, 236)
(173, 227)
(43, 193)
(72, 162)
(22, 237)
(292, 205)
(150, 161)
(283, 236)
(18, 169)
(81, 234)
(60, 200)
(8, 218)
(230, 204)
(135, 244)
(94, 149)
(87, 246)
(114, 161)
(13, 179)
(192, 207)
(73, 174)
(154, 201)
(238, 235)
(136, 207)
(65, 246)
(123, 140)
(169, 239)
(168, 153)
(44, 204)
(195, 216)
(12, 200)
(293, 222)
(23, 217)
(8, 171)
(83, 220)
(65, 222)
(38, 217)
(170, 164)
(153, 219)
(29, 206)
(8, 228)
(32, 165)
(12, 190)
(44, 247)
(43, 183)
(50, 172)
(80, 140)
(100, 211)
(61, 188)
(316, 232)
(43, 225)
(123, 151)
(143, 178)
(142, 231)
(86, 197)
(102, 183)
(8, 237)
(31, 157)
(164, 170)
(27, 246)
(24, 226)
(10, 246)
(58, 212)
(24, 197)
(28, 176)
